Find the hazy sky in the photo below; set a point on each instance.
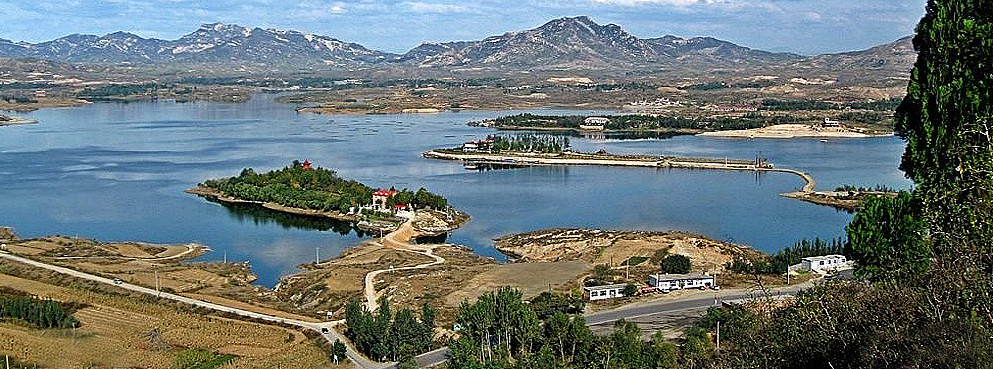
(803, 26)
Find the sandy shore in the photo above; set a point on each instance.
(792, 131)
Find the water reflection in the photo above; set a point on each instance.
(259, 215)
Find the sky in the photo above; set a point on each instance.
(801, 26)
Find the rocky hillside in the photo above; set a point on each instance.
(898, 55)
(560, 44)
(211, 43)
(579, 42)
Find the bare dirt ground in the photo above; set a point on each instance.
(616, 247)
(795, 131)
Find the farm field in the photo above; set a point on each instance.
(125, 331)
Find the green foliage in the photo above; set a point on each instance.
(635, 260)
(37, 312)
(630, 290)
(888, 238)
(384, 335)
(316, 188)
(500, 331)
(201, 359)
(945, 120)
(937, 312)
(529, 142)
(338, 351)
(849, 325)
(779, 263)
(676, 264)
(546, 304)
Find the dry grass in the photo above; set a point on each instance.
(116, 332)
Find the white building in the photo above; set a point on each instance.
(668, 282)
(604, 292)
(822, 264)
(595, 123)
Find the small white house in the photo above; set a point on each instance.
(823, 263)
(595, 123)
(668, 282)
(604, 292)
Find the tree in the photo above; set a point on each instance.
(888, 238)
(338, 350)
(630, 290)
(945, 119)
(603, 273)
(678, 264)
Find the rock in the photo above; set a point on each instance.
(7, 233)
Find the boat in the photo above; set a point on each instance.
(823, 140)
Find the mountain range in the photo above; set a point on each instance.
(565, 43)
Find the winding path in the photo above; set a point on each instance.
(398, 239)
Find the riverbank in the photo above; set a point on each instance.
(789, 131)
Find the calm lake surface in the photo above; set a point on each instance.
(116, 172)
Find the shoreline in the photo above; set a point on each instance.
(678, 131)
(792, 131)
(217, 195)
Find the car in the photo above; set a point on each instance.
(118, 281)
(324, 330)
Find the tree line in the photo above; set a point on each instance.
(499, 330)
(315, 188)
(382, 335)
(38, 312)
(781, 261)
(529, 142)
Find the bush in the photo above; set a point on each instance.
(676, 264)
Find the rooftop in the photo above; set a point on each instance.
(605, 287)
(825, 257)
(665, 277)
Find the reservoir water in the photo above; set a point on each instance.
(116, 172)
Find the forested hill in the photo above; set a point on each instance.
(313, 188)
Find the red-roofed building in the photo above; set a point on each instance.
(306, 165)
(379, 198)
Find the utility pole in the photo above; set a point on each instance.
(157, 291)
(718, 335)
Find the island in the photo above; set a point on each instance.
(314, 191)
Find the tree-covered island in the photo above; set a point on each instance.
(303, 189)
